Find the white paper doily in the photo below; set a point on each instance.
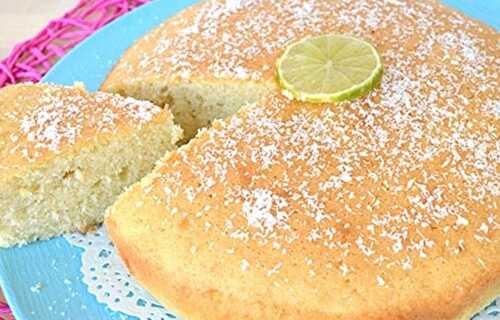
(490, 313)
(108, 280)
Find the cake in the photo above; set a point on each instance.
(386, 207)
(65, 155)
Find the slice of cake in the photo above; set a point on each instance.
(65, 155)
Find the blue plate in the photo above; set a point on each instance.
(55, 263)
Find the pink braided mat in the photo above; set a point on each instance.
(30, 60)
(5, 312)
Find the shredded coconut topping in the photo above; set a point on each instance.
(48, 118)
(405, 174)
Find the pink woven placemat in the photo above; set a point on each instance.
(5, 311)
(31, 59)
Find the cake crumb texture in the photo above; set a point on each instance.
(65, 154)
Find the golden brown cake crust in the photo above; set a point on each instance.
(382, 208)
(228, 222)
(41, 121)
(190, 298)
(240, 41)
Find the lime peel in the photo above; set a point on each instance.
(317, 56)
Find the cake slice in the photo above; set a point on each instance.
(65, 155)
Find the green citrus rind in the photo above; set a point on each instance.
(353, 92)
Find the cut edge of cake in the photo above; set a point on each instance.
(68, 189)
(194, 103)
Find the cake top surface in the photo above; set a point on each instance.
(39, 121)
(411, 168)
(241, 40)
(361, 194)
(367, 184)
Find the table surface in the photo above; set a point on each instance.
(22, 19)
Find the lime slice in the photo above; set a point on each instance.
(329, 68)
